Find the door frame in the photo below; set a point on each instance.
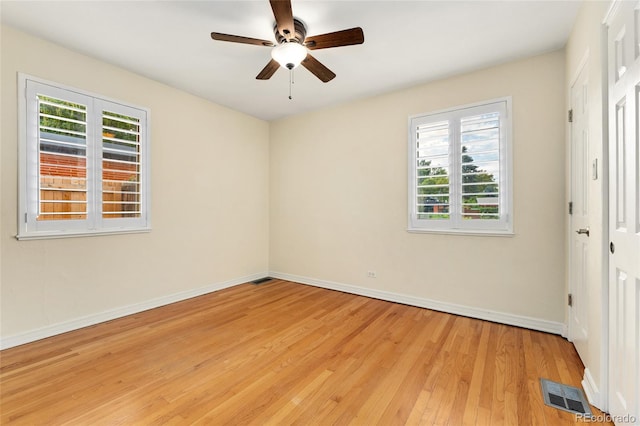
(599, 392)
(603, 391)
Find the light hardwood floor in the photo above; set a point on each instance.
(285, 353)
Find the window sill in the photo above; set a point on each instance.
(468, 232)
(74, 234)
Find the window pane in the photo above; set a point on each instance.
(62, 146)
(432, 177)
(120, 166)
(480, 139)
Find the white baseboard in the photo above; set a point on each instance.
(467, 311)
(77, 323)
(591, 389)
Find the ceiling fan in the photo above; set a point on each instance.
(293, 45)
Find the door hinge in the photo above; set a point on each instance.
(570, 299)
(570, 207)
(570, 116)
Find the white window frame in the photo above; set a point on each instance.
(28, 168)
(503, 226)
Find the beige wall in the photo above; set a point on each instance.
(338, 205)
(322, 196)
(584, 43)
(209, 200)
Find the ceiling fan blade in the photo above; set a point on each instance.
(268, 71)
(317, 69)
(241, 39)
(284, 17)
(335, 39)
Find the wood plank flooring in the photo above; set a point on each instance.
(282, 353)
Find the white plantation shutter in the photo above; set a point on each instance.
(83, 161)
(123, 174)
(480, 166)
(120, 166)
(460, 168)
(62, 157)
(433, 189)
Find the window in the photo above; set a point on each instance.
(460, 169)
(83, 163)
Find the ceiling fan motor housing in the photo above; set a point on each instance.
(300, 32)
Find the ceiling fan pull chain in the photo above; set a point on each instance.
(290, 82)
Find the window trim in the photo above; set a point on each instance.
(481, 227)
(93, 225)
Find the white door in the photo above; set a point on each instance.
(623, 48)
(579, 252)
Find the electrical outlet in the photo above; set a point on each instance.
(371, 274)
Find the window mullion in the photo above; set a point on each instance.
(96, 121)
(456, 173)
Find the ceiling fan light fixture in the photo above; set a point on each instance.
(289, 55)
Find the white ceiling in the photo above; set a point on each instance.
(406, 43)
